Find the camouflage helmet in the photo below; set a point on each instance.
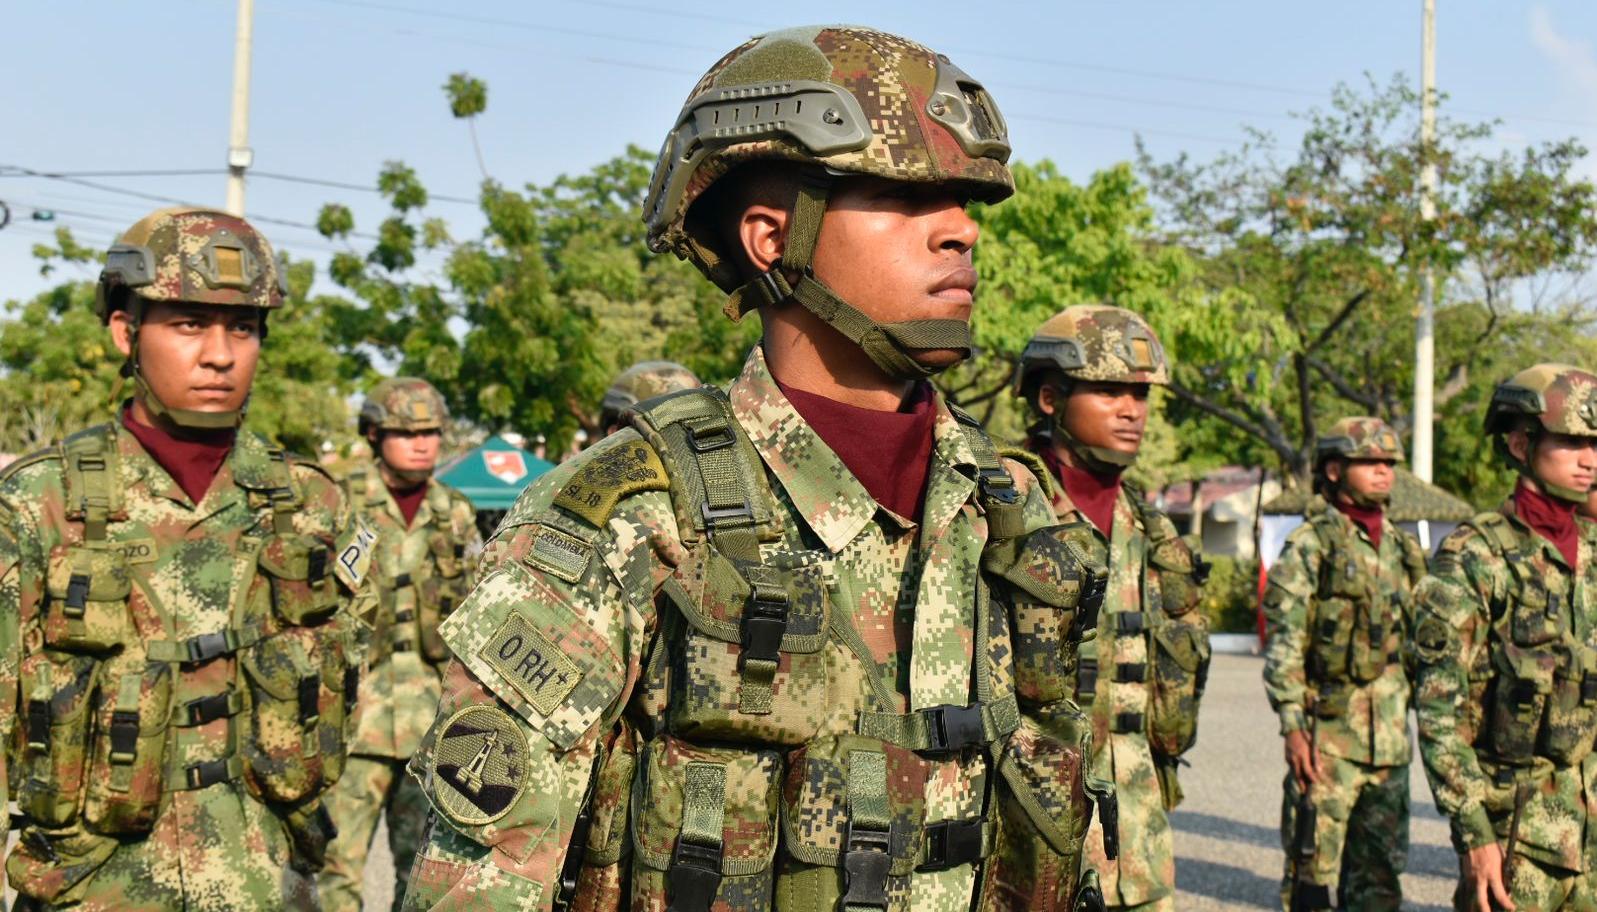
(1562, 398)
(645, 380)
(1358, 437)
(403, 404)
(195, 255)
(851, 100)
(1094, 342)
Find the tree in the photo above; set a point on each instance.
(1316, 256)
(468, 97)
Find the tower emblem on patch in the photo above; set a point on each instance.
(480, 765)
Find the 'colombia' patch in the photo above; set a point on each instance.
(622, 469)
(480, 765)
(540, 672)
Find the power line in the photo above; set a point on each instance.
(14, 171)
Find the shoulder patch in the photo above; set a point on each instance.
(556, 552)
(620, 470)
(535, 667)
(1433, 639)
(479, 765)
(355, 553)
(1032, 461)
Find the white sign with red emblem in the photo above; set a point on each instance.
(506, 465)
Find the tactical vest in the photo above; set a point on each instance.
(1358, 630)
(98, 707)
(1172, 575)
(695, 815)
(1541, 695)
(415, 600)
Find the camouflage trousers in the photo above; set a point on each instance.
(1360, 834)
(212, 849)
(369, 788)
(1143, 876)
(1538, 888)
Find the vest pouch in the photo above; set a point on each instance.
(1180, 573)
(55, 866)
(299, 571)
(600, 875)
(1536, 615)
(1568, 729)
(1055, 580)
(1329, 652)
(1375, 631)
(56, 689)
(336, 646)
(749, 666)
(1180, 669)
(128, 769)
(87, 588)
(704, 825)
(449, 553)
(436, 598)
(1518, 700)
(1044, 812)
(283, 754)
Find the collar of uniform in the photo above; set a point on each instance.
(378, 496)
(824, 492)
(1320, 504)
(237, 470)
(1536, 539)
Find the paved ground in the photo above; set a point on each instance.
(1228, 838)
(1228, 842)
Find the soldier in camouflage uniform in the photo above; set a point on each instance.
(1506, 641)
(644, 380)
(719, 661)
(1087, 374)
(1340, 610)
(177, 629)
(427, 537)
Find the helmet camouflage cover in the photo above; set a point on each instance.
(403, 404)
(194, 255)
(1359, 437)
(1094, 342)
(1563, 398)
(645, 380)
(851, 100)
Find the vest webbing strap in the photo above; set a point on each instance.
(695, 872)
(207, 773)
(1000, 498)
(943, 729)
(92, 489)
(205, 646)
(867, 849)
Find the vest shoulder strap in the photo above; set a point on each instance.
(1032, 461)
(716, 479)
(1498, 532)
(995, 488)
(93, 492)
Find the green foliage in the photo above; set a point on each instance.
(468, 96)
(1231, 596)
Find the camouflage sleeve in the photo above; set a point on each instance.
(1450, 638)
(1287, 597)
(548, 648)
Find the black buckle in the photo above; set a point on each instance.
(1131, 622)
(1127, 723)
(1131, 672)
(309, 693)
(1523, 693)
(865, 867)
(460, 551)
(404, 617)
(694, 876)
(207, 646)
(710, 438)
(951, 843)
(764, 625)
(207, 709)
(206, 774)
(39, 715)
(405, 646)
(716, 516)
(124, 735)
(77, 594)
(402, 580)
(316, 566)
(995, 483)
(1087, 680)
(951, 728)
(1588, 688)
(1093, 589)
(1200, 569)
(1109, 819)
(770, 286)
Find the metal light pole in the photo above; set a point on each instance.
(1424, 330)
(239, 153)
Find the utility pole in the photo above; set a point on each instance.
(239, 154)
(1424, 330)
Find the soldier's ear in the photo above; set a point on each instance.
(1333, 470)
(1049, 399)
(121, 324)
(762, 232)
(1519, 444)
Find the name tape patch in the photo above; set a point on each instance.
(535, 667)
(137, 550)
(355, 554)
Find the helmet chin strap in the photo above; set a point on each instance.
(1359, 499)
(1099, 460)
(1570, 495)
(191, 419)
(890, 346)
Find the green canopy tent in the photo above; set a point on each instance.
(494, 474)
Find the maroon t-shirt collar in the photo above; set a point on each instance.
(1092, 494)
(1550, 517)
(889, 452)
(1366, 518)
(408, 500)
(191, 461)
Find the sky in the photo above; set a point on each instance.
(341, 86)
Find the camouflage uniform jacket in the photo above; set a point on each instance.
(421, 571)
(560, 629)
(1328, 586)
(1506, 642)
(1114, 688)
(154, 694)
